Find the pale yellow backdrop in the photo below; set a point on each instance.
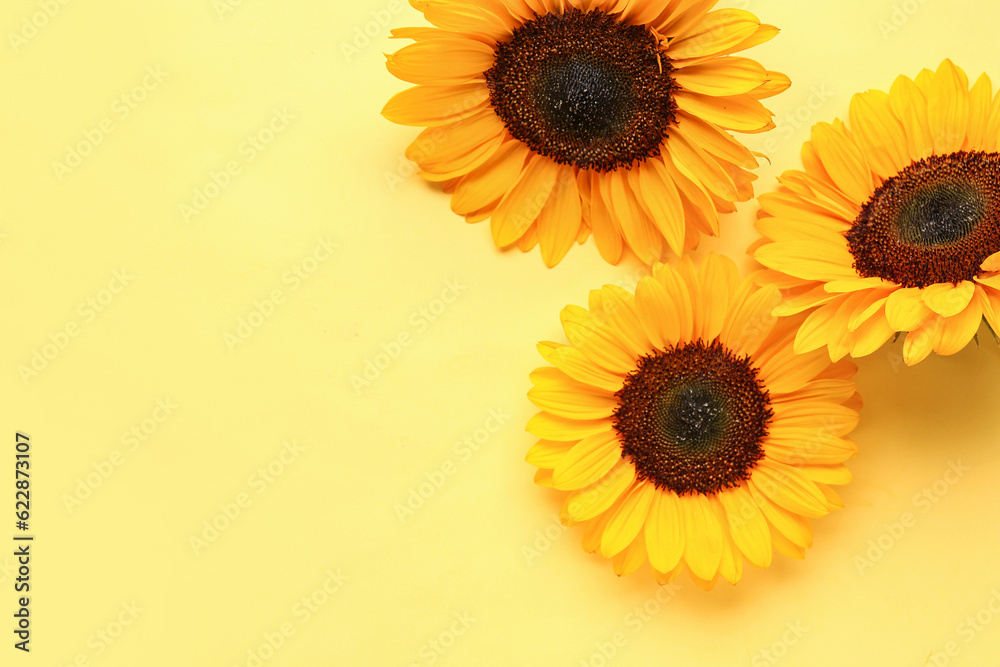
(207, 230)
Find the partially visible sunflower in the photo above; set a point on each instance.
(686, 429)
(558, 118)
(894, 226)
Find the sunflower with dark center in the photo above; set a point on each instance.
(894, 226)
(684, 427)
(556, 119)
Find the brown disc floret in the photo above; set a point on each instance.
(933, 222)
(693, 418)
(584, 89)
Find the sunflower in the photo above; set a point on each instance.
(558, 118)
(686, 429)
(894, 226)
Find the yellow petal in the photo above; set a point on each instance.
(664, 531)
(947, 299)
(948, 109)
(571, 361)
(697, 165)
(843, 161)
(814, 332)
(621, 315)
(547, 453)
(588, 502)
(991, 263)
(905, 309)
(747, 525)
(793, 526)
(628, 520)
(785, 546)
(739, 112)
(810, 446)
(826, 474)
(788, 488)
(631, 558)
(638, 230)
(703, 536)
(590, 334)
(763, 33)
(436, 105)
(750, 319)
(879, 132)
(819, 414)
(720, 280)
(551, 427)
(921, 341)
(808, 260)
(543, 477)
(663, 203)
(731, 565)
(788, 371)
(492, 180)
(680, 295)
(466, 18)
(441, 61)
(593, 529)
(715, 141)
(910, 106)
(560, 219)
(957, 331)
(980, 99)
(720, 30)
(699, 210)
(834, 390)
(521, 205)
(775, 84)
(587, 461)
(704, 584)
(557, 394)
(607, 235)
(874, 302)
(722, 76)
(457, 148)
(657, 312)
(871, 335)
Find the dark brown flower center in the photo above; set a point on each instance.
(933, 222)
(693, 418)
(584, 89)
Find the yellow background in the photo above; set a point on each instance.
(325, 523)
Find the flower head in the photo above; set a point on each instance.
(684, 427)
(557, 119)
(894, 225)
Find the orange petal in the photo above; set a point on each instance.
(521, 205)
(560, 219)
(438, 62)
(492, 180)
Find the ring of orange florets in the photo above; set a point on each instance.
(584, 89)
(693, 418)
